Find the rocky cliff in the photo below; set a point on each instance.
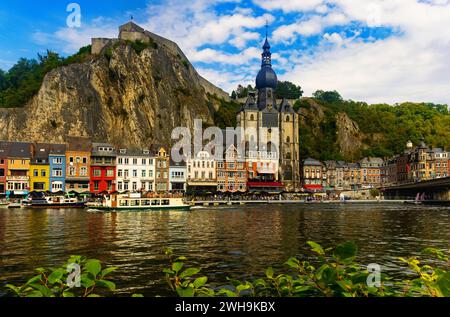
(121, 96)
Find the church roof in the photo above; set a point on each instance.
(286, 106)
(266, 78)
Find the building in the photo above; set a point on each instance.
(262, 170)
(441, 159)
(352, 176)
(18, 172)
(78, 164)
(40, 167)
(177, 176)
(162, 168)
(3, 167)
(135, 170)
(232, 174)
(271, 127)
(314, 177)
(371, 172)
(103, 168)
(202, 173)
(57, 158)
(389, 172)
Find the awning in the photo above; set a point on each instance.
(313, 187)
(265, 184)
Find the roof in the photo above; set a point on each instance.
(57, 149)
(135, 152)
(15, 149)
(131, 27)
(311, 162)
(79, 144)
(177, 164)
(97, 152)
(286, 106)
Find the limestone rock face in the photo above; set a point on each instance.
(123, 97)
(349, 135)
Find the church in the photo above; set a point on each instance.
(276, 123)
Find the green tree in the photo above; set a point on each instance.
(288, 90)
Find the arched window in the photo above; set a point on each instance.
(288, 139)
(288, 155)
(288, 118)
(252, 117)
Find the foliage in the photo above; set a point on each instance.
(23, 80)
(288, 90)
(140, 46)
(335, 274)
(53, 282)
(226, 115)
(241, 92)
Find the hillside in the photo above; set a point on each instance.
(131, 95)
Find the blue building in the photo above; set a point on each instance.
(57, 158)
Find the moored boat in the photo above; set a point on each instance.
(135, 202)
(57, 202)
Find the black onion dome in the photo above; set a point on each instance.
(266, 78)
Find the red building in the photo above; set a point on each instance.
(103, 168)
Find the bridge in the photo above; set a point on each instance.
(432, 190)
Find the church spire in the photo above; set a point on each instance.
(267, 55)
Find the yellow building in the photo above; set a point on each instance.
(40, 168)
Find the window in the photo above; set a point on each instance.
(252, 117)
(127, 161)
(72, 171)
(119, 173)
(144, 161)
(109, 183)
(144, 173)
(150, 173)
(126, 173)
(2, 172)
(134, 186)
(109, 173)
(288, 118)
(83, 171)
(119, 186)
(135, 173)
(43, 173)
(57, 172)
(56, 160)
(35, 173)
(135, 161)
(57, 186)
(84, 160)
(120, 161)
(211, 175)
(97, 173)
(288, 139)
(78, 160)
(71, 159)
(165, 174)
(125, 186)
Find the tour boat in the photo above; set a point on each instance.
(56, 202)
(135, 202)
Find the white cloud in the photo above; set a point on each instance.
(289, 5)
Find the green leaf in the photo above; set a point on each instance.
(56, 276)
(303, 288)
(227, 293)
(189, 272)
(201, 281)
(269, 273)
(76, 259)
(93, 266)
(93, 295)
(137, 295)
(293, 263)
(86, 281)
(106, 284)
(185, 292)
(107, 271)
(181, 258)
(168, 271)
(444, 284)
(35, 294)
(241, 288)
(34, 279)
(68, 294)
(177, 266)
(43, 290)
(15, 289)
(315, 247)
(345, 252)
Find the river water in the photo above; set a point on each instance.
(231, 241)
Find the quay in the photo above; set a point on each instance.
(215, 203)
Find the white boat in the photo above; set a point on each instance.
(135, 202)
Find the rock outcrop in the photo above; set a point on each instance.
(124, 97)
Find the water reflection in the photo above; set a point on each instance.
(223, 241)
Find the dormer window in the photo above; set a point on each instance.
(123, 151)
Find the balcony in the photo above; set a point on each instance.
(17, 178)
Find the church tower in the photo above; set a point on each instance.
(261, 113)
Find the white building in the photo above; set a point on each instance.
(135, 170)
(202, 172)
(177, 176)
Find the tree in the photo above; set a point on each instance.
(328, 96)
(233, 95)
(288, 90)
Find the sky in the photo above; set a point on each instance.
(378, 51)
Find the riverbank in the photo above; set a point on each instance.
(207, 203)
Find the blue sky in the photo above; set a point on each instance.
(375, 50)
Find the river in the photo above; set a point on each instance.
(229, 241)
